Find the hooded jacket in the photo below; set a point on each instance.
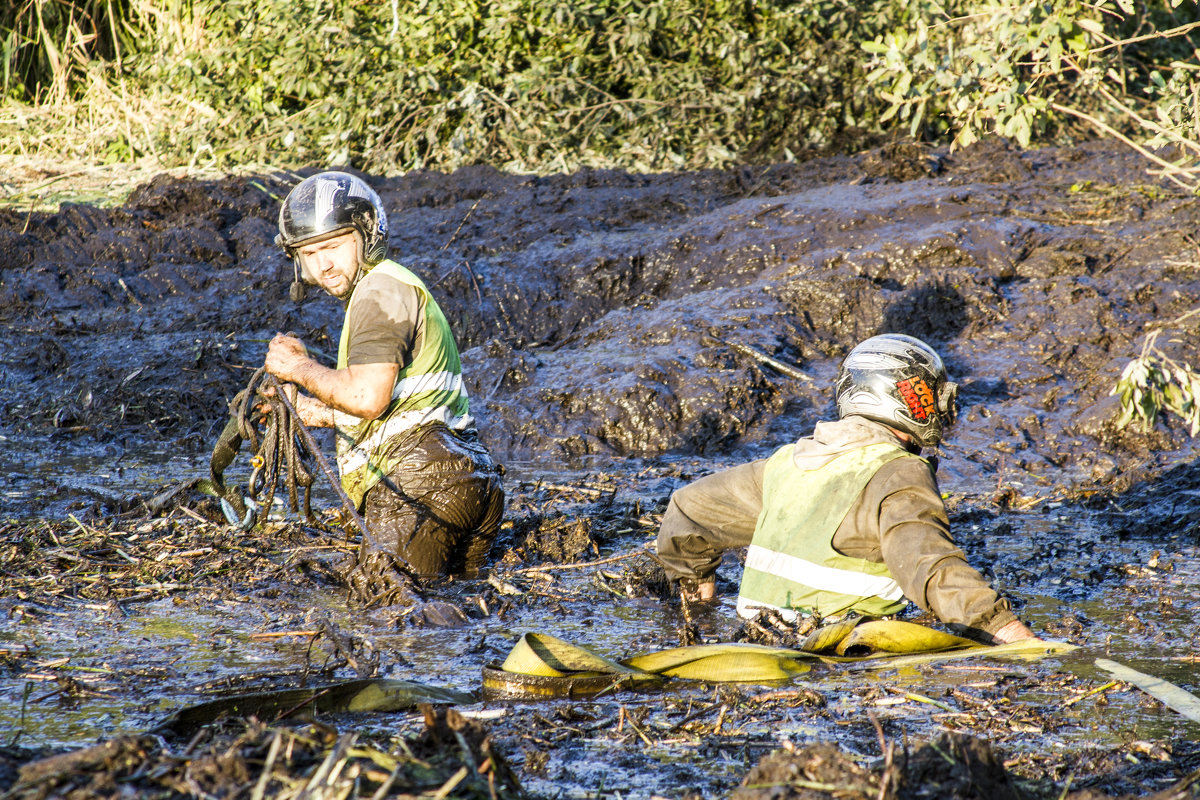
(899, 520)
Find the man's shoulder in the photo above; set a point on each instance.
(389, 273)
(907, 472)
(381, 303)
(380, 284)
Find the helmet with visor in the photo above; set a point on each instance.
(901, 382)
(330, 204)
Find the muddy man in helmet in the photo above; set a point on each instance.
(848, 519)
(407, 448)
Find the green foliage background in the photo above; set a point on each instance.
(541, 85)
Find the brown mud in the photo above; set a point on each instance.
(618, 333)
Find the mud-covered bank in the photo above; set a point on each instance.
(616, 330)
(598, 310)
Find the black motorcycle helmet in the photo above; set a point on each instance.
(900, 381)
(325, 205)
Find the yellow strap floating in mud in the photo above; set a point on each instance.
(894, 636)
(548, 656)
(541, 665)
(677, 659)
(559, 667)
(751, 666)
(829, 636)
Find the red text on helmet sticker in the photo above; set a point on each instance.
(918, 397)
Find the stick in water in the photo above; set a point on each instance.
(1166, 692)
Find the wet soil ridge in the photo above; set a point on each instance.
(615, 314)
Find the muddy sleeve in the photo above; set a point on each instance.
(708, 517)
(916, 545)
(383, 322)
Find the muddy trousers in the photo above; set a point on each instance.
(438, 511)
(704, 519)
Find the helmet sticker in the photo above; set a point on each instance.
(917, 396)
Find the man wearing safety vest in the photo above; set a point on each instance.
(849, 519)
(407, 448)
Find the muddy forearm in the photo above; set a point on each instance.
(708, 517)
(362, 391)
(958, 594)
(935, 575)
(685, 548)
(313, 413)
(916, 545)
(321, 382)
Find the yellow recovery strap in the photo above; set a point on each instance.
(541, 665)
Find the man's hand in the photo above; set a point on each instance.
(701, 592)
(1014, 631)
(360, 390)
(287, 358)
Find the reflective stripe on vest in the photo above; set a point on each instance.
(429, 389)
(791, 564)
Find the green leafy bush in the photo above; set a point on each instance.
(528, 84)
(544, 85)
(1032, 70)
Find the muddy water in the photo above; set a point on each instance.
(140, 661)
(609, 324)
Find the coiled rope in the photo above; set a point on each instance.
(281, 451)
(286, 451)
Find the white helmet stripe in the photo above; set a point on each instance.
(323, 202)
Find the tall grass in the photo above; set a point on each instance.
(48, 46)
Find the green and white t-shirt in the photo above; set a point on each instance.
(392, 318)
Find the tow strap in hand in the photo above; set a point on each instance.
(280, 452)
